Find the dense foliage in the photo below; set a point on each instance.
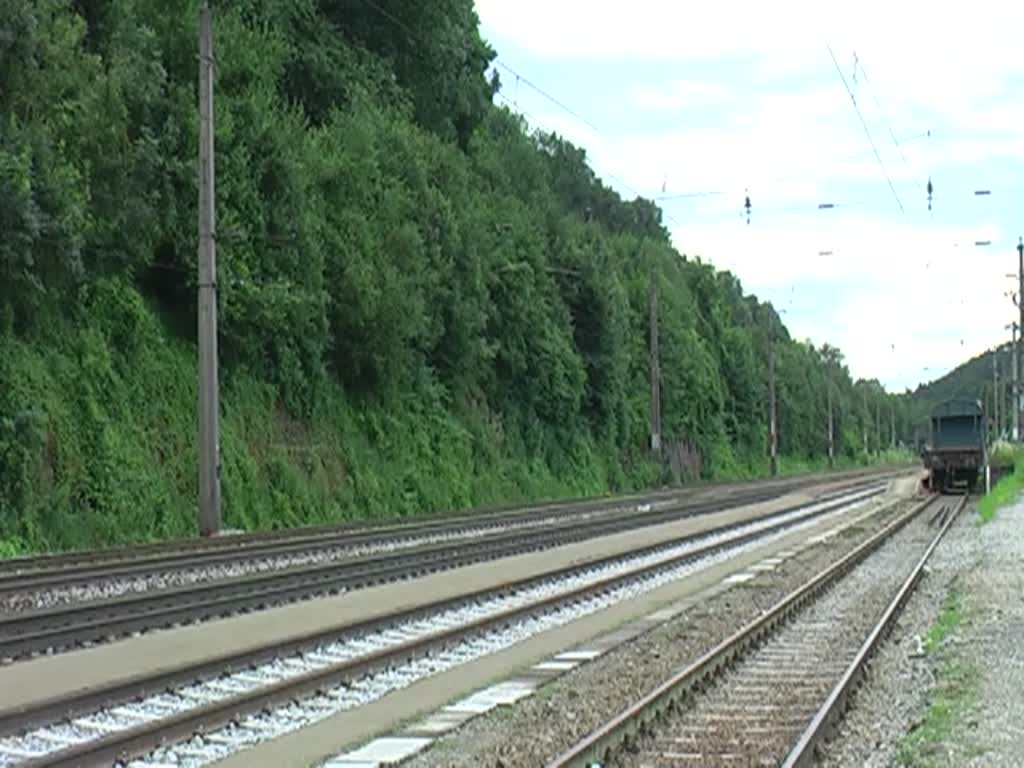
(423, 305)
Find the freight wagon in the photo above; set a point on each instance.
(955, 455)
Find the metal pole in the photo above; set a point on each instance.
(892, 425)
(209, 410)
(655, 371)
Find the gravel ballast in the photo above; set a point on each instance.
(993, 640)
(887, 705)
(754, 714)
(248, 564)
(581, 700)
(652, 569)
(987, 563)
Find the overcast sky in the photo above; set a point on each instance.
(726, 97)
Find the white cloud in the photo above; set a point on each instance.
(921, 36)
(679, 95)
(788, 149)
(900, 302)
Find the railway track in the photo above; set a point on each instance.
(258, 694)
(70, 625)
(770, 692)
(18, 575)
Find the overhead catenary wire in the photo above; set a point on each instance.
(867, 132)
(497, 62)
(389, 15)
(818, 208)
(612, 177)
(888, 125)
(514, 103)
(561, 105)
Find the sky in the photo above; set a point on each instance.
(710, 102)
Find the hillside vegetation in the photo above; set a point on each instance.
(424, 305)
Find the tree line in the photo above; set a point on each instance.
(387, 236)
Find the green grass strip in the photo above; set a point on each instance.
(1004, 492)
(955, 687)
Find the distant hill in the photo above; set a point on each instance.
(971, 379)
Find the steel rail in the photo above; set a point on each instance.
(18, 574)
(63, 626)
(139, 740)
(639, 717)
(835, 704)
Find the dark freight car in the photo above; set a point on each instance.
(956, 454)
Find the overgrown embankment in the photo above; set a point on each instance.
(106, 451)
(424, 304)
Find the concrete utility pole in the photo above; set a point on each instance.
(655, 371)
(209, 407)
(773, 438)
(831, 431)
(892, 426)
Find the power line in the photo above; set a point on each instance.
(515, 104)
(546, 95)
(596, 170)
(389, 15)
(529, 84)
(867, 132)
(888, 125)
(519, 78)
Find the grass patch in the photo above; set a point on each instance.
(956, 683)
(951, 617)
(1002, 493)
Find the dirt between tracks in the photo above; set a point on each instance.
(539, 728)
